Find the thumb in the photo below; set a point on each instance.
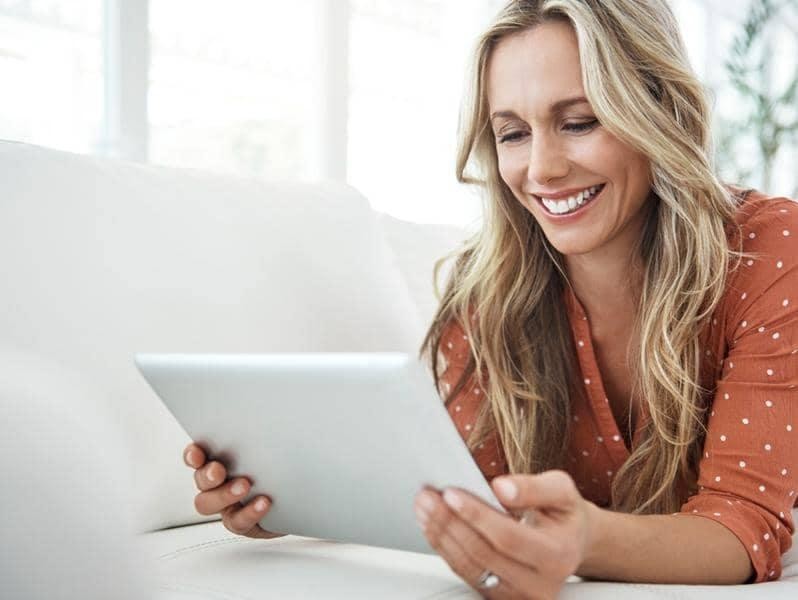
(548, 490)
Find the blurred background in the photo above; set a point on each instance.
(362, 91)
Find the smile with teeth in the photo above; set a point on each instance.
(569, 205)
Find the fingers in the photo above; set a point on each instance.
(467, 552)
(550, 491)
(215, 500)
(206, 475)
(520, 542)
(243, 520)
(210, 476)
(218, 496)
(553, 548)
(194, 456)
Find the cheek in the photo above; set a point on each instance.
(636, 177)
(643, 173)
(511, 171)
(599, 153)
(607, 155)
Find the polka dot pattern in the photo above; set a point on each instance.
(750, 452)
(748, 473)
(464, 406)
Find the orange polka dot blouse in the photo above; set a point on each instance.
(748, 474)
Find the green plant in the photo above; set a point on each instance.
(767, 122)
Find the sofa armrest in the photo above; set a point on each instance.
(64, 509)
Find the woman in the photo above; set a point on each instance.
(618, 344)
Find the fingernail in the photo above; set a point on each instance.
(238, 488)
(422, 517)
(453, 499)
(187, 458)
(209, 474)
(426, 502)
(260, 505)
(506, 488)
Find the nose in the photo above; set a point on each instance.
(547, 161)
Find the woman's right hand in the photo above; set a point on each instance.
(220, 495)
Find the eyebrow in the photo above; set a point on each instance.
(557, 107)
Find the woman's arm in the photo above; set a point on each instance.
(747, 471)
(680, 548)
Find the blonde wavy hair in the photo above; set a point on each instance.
(638, 80)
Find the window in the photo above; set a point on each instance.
(366, 91)
(51, 69)
(233, 86)
(407, 70)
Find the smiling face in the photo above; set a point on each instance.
(583, 185)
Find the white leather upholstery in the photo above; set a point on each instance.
(102, 259)
(65, 511)
(206, 561)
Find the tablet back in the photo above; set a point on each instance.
(341, 442)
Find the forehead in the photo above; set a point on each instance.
(530, 70)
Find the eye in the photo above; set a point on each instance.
(581, 127)
(511, 137)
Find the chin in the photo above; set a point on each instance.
(572, 247)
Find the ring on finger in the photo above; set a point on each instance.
(488, 580)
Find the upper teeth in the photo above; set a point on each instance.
(569, 204)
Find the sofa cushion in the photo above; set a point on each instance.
(207, 561)
(64, 502)
(102, 259)
(415, 248)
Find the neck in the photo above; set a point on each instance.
(607, 292)
(608, 281)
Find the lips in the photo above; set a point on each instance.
(563, 205)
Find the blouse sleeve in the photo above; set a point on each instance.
(464, 407)
(748, 474)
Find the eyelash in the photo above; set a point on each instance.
(586, 126)
(573, 127)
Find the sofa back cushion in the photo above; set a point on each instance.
(102, 259)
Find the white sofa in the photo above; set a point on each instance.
(102, 259)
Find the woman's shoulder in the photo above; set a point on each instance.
(760, 212)
(767, 227)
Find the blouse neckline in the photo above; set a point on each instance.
(596, 395)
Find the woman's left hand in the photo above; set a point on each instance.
(531, 558)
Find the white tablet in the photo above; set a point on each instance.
(340, 442)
